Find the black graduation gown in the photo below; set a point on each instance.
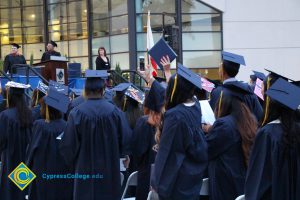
(10, 60)
(143, 141)
(47, 54)
(226, 166)
(74, 103)
(96, 134)
(44, 158)
(182, 156)
(274, 169)
(101, 64)
(13, 144)
(250, 99)
(36, 112)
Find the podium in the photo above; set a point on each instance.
(54, 69)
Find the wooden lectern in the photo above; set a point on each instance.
(54, 69)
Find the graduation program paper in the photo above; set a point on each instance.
(208, 116)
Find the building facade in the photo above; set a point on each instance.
(80, 27)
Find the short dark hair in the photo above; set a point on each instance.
(231, 68)
(94, 86)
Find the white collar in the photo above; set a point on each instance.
(189, 104)
(229, 80)
(276, 121)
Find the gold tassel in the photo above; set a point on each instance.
(47, 114)
(174, 88)
(267, 103)
(37, 98)
(7, 102)
(125, 99)
(220, 103)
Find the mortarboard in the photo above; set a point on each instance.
(96, 74)
(59, 87)
(156, 97)
(237, 89)
(76, 92)
(42, 87)
(57, 100)
(16, 45)
(160, 49)
(160, 79)
(121, 87)
(135, 94)
(259, 75)
(207, 85)
(238, 59)
(277, 75)
(189, 75)
(285, 93)
(16, 87)
(53, 43)
(297, 83)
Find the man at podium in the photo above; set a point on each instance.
(50, 51)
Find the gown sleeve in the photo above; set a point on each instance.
(6, 66)
(258, 178)
(3, 136)
(124, 134)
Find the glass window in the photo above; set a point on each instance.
(118, 7)
(201, 22)
(83, 60)
(5, 49)
(57, 14)
(195, 6)
(34, 34)
(63, 48)
(33, 16)
(119, 43)
(77, 11)
(58, 32)
(11, 36)
(101, 27)
(100, 9)
(201, 41)
(78, 48)
(142, 6)
(36, 50)
(142, 40)
(202, 59)
(122, 59)
(100, 42)
(9, 3)
(156, 22)
(4, 36)
(32, 2)
(119, 25)
(78, 31)
(10, 17)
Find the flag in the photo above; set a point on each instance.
(150, 44)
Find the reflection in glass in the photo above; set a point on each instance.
(202, 59)
(78, 31)
(142, 40)
(201, 22)
(100, 42)
(9, 3)
(10, 18)
(57, 14)
(118, 7)
(195, 6)
(36, 50)
(122, 59)
(201, 41)
(33, 16)
(101, 28)
(78, 48)
(34, 34)
(142, 6)
(100, 9)
(31, 2)
(58, 32)
(119, 25)
(77, 11)
(119, 43)
(156, 22)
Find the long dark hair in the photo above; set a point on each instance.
(184, 91)
(53, 113)
(245, 121)
(17, 99)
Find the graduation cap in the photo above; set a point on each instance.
(277, 75)
(57, 100)
(15, 88)
(259, 75)
(121, 87)
(96, 74)
(76, 92)
(235, 58)
(285, 93)
(42, 87)
(297, 83)
(207, 85)
(16, 45)
(108, 94)
(189, 75)
(59, 87)
(237, 89)
(156, 97)
(160, 49)
(135, 94)
(53, 43)
(160, 79)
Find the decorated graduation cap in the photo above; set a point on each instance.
(160, 49)
(16, 45)
(59, 87)
(259, 75)
(285, 93)
(156, 97)
(235, 58)
(135, 94)
(41, 91)
(188, 75)
(96, 74)
(14, 88)
(57, 100)
(53, 43)
(207, 85)
(121, 87)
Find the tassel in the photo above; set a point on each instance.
(37, 98)
(7, 102)
(267, 103)
(47, 114)
(124, 105)
(174, 88)
(220, 103)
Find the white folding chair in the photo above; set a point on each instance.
(131, 181)
(241, 197)
(205, 187)
(122, 178)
